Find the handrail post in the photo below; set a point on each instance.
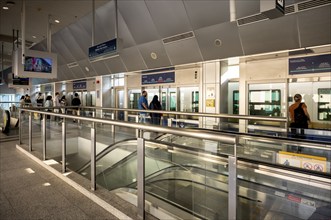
(30, 131)
(93, 159)
(113, 127)
(64, 144)
(44, 136)
(232, 184)
(141, 177)
(20, 126)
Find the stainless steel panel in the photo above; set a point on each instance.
(64, 144)
(169, 17)
(44, 135)
(204, 13)
(93, 154)
(132, 59)
(314, 26)
(157, 48)
(184, 51)
(232, 188)
(229, 36)
(138, 20)
(30, 131)
(270, 35)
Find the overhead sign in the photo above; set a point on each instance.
(312, 64)
(78, 85)
(158, 78)
(102, 49)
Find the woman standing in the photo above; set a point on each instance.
(155, 105)
(298, 114)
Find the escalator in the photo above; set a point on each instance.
(194, 182)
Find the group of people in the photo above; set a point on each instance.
(153, 105)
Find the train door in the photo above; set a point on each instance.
(169, 99)
(119, 103)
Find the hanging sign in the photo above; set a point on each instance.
(312, 64)
(102, 49)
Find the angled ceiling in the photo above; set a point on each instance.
(146, 26)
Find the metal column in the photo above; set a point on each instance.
(93, 162)
(141, 177)
(64, 144)
(20, 126)
(44, 136)
(30, 131)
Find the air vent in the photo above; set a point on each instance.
(289, 9)
(312, 4)
(71, 65)
(300, 52)
(178, 37)
(251, 19)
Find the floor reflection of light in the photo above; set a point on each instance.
(46, 184)
(29, 170)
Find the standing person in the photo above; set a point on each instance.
(40, 100)
(75, 102)
(57, 104)
(298, 114)
(22, 101)
(63, 103)
(155, 105)
(48, 105)
(143, 105)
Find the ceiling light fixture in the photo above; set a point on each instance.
(34, 37)
(56, 21)
(5, 8)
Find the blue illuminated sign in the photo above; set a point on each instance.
(103, 48)
(312, 64)
(158, 78)
(79, 85)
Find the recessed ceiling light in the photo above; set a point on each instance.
(34, 37)
(57, 21)
(87, 69)
(5, 8)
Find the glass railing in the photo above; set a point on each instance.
(186, 173)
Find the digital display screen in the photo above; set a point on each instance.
(18, 81)
(38, 64)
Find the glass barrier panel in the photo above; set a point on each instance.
(25, 128)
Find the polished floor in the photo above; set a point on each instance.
(29, 191)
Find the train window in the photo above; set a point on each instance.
(265, 102)
(324, 104)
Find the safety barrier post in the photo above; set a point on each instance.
(93, 159)
(44, 136)
(20, 126)
(30, 131)
(113, 127)
(141, 176)
(64, 144)
(232, 184)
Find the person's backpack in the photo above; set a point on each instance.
(299, 115)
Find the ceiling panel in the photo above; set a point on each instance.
(138, 20)
(61, 48)
(246, 8)
(70, 42)
(105, 23)
(67, 74)
(87, 68)
(230, 41)
(78, 72)
(60, 59)
(115, 65)
(81, 36)
(132, 59)
(124, 34)
(169, 17)
(100, 67)
(270, 35)
(315, 30)
(204, 13)
(157, 48)
(183, 52)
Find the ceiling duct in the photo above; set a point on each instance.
(312, 4)
(178, 37)
(251, 19)
(300, 52)
(72, 65)
(289, 9)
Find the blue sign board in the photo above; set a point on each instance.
(312, 64)
(79, 85)
(103, 48)
(158, 78)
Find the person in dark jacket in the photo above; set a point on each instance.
(155, 105)
(75, 102)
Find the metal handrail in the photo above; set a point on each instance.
(211, 135)
(212, 115)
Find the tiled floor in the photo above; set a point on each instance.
(28, 191)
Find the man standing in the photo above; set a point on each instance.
(75, 102)
(143, 105)
(56, 105)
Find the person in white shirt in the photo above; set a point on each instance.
(56, 103)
